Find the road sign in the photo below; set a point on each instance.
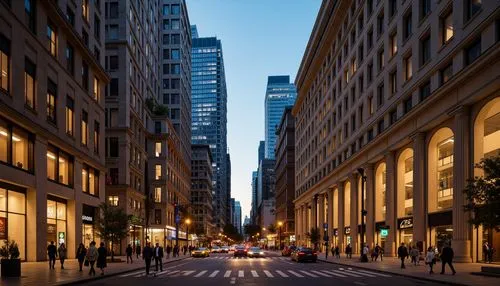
(177, 219)
(384, 232)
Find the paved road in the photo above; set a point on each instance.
(223, 269)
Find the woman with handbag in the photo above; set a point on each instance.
(81, 252)
(92, 255)
(430, 258)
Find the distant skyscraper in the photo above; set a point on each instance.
(209, 115)
(237, 217)
(194, 32)
(262, 151)
(279, 94)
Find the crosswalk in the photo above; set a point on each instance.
(266, 273)
(239, 257)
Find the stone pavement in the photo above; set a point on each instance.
(38, 273)
(393, 265)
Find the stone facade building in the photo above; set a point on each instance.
(408, 91)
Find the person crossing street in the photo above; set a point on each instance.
(147, 255)
(158, 255)
(402, 254)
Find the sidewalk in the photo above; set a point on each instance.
(392, 265)
(38, 273)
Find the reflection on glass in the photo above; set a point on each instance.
(3, 199)
(445, 174)
(51, 165)
(51, 209)
(4, 138)
(20, 149)
(61, 211)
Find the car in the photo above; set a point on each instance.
(200, 252)
(216, 249)
(231, 248)
(304, 254)
(255, 252)
(224, 249)
(287, 251)
(240, 251)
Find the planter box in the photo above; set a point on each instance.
(11, 267)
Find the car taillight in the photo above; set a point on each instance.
(302, 253)
(315, 253)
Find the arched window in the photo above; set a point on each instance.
(380, 208)
(487, 131)
(440, 166)
(405, 183)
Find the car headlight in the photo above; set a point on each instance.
(250, 253)
(261, 252)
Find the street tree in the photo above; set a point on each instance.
(314, 236)
(483, 195)
(112, 224)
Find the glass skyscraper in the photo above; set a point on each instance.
(279, 94)
(209, 115)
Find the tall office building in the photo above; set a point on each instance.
(262, 151)
(253, 211)
(209, 115)
(201, 193)
(279, 94)
(237, 217)
(51, 123)
(228, 185)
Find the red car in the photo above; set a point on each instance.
(304, 254)
(287, 251)
(240, 251)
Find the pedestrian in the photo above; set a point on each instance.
(169, 249)
(381, 253)
(486, 252)
(101, 259)
(176, 250)
(92, 255)
(138, 250)
(447, 258)
(402, 254)
(348, 251)
(430, 259)
(63, 254)
(52, 253)
(375, 252)
(364, 255)
(147, 255)
(80, 255)
(337, 252)
(185, 249)
(158, 255)
(414, 253)
(129, 253)
(490, 254)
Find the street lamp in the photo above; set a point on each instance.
(188, 222)
(279, 233)
(361, 172)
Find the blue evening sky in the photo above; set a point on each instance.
(259, 38)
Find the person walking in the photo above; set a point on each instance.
(80, 255)
(375, 252)
(52, 253)
(447, 258)
(91, 257)
(414, 253)
(486, 252)
(364, 255)
(176, 250)
(348, 251)
(169, 249)
(101, 259)
(402, 254)
(185, 249)
(158, 255)
(63, 254)
(138, 250)
(129, 253)
(337, 252)
(430, 259)
(147, 255)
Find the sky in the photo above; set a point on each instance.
(259, 38)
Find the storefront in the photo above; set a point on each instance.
(13, 216)
(347, 236)
(157, 235)
(56, 220)
(380, 239)
(441, 229)
(88, 231)
(405, 231)
(335, 241)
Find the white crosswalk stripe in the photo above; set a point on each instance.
(187, 273)
(362, 274)
(309, 274)
(254, 273)
(334, 273)
(201, 273)
(282, 274)
(321, 273)
(374, 273)
(228, 273)
(214, 274)
(351, 274)
(241, 273)
(295, 273)
(268, 274)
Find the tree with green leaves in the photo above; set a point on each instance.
(483, 195)
(231, 232)
(112, 224)
(314, 235)
(252, 229)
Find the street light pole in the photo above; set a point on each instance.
(361, 172)
(279, 234)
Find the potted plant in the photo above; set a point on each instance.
(11, 264)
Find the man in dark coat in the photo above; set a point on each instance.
(147, 255)
(52, 253)
(402, 254)
(447, 257)
(158, 254)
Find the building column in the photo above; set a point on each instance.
(390, 202)
(314, 212)
(305, 226)
(354, 212)
(340, 213)
(330, 214)
(297, 224)
(370, 205)
(321, 210)
(419, 188)
(461, 172)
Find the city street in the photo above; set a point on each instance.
(224, 269)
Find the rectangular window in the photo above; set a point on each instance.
(380, 126)
(29, 83)
(175, 9)
(380, 95)
(16, 146)
(113, 87)
(380, 24)
(425, 8)
(97, 28)
(176, 24)
(369, 135)
(85, 10)
(472, 7)
(4, 63)
(369, 39)
(70, 115)
(369, 71)
(113, 147)
(394, 44)
(446, 73)
(473, 51)
(166, 24)
(407, 104)
(52, 39)
(393, 78)
(70, 16)
(113, 62)
(158, 149)
(97, 88)
(425, 90)
(425, 49)
(371, 105)
(447, 27)
(157, 216)
(97, 137)
(84, 127)
(85, 37)
(59, 166)
(157, 195)
(51, 101)
(113, 201)
(381, 59)
(393, 116)
(30, 12)
(157, 172)
(407, 26)
(85, 76)
(113, 10)
(166, 10)
(408, 67)
(90, 180)
(369, 6)
(70, 59)
(393, 7)
(175, 54)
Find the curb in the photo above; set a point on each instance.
(396, 273)
(90, 279)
